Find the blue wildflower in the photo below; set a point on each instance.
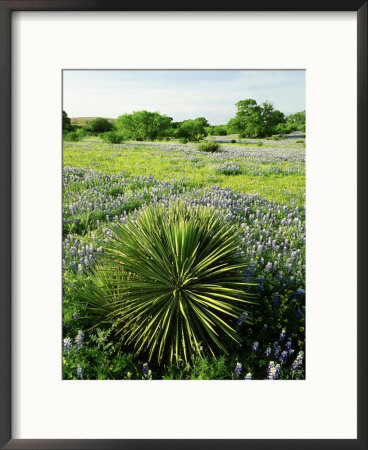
(299, 293)
(284, 356)
(145, 369)
(242, 319)
(68, 345)
(282, 335)
(288, 344)
(79, 372)
(238, 369)
(79, 340)
(273, 371)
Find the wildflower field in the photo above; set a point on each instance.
(232, 308)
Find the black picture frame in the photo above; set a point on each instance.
(6, 9)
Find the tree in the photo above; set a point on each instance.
(297, 120)
(254, 120)
(194, 130)
(143, 125)
(270, 118)
(100, 125)
(247, 121)
(67, 126)
(203, 120)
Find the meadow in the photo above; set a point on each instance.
(258, 185)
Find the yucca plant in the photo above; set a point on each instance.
(170, 282)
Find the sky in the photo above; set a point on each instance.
(180, 94)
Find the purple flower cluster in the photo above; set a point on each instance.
(273, 371)
(79, 372)
(79, 340)
(238, 369)
(68, 345)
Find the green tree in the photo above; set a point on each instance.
(270, 119)
(100, 125)
(254, 120)
(67, 126)
(143, 125)
(248, 119)
(193, 130)
(219, 130)
(297, 120)
(203, 120)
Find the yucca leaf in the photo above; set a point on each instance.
(171, 282)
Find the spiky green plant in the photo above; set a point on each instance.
(171, 282)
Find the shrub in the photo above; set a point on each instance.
(112, 137)
(100, 125)
(300, 141)
(183, 140)
(233, 141)
(259, 144)
(170, 283)
(209, 146)
(72, 136)
(229, 168)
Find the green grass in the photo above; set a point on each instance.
(267, 169)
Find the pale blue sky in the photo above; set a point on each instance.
(180, 94)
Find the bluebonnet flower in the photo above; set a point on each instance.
(248, 376)
(268, 352)
(260, 289)
(242, 319)
(277, 351)
(145, 369)
(68, 345)
(248, 273)
(79, 340)
(282, 335)
(273, 371)
(255, 346)
(238, 369)
(261, 279)
(299, 293)
(279, 276)
(269, 267)
(80, 269)
(276, 298)
(288, 344)
(298, 362)
(265, 327)
(79, 372)
(284, 356)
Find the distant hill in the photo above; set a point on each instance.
(83, 120)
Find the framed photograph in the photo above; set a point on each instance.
(183, 225)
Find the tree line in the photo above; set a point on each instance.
(251, 121)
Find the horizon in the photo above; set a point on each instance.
(180, 94)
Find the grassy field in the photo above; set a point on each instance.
(276, 169)
(259, 185)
